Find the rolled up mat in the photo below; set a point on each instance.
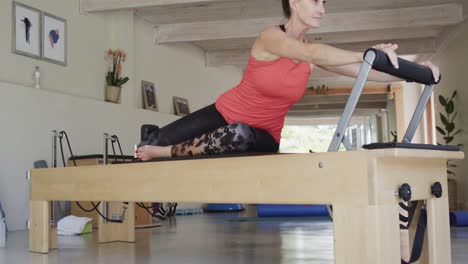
(224, 207)
(275, 210)
(459, 218)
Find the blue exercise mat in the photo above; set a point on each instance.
(224, 207)
(459, 218)
(277, 210)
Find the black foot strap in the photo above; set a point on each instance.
(418, 242)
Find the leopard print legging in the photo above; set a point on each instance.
(235, 137)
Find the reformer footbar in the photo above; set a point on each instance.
(410, 72)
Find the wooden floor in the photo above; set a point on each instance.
(205, 239)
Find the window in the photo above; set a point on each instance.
(317, 137)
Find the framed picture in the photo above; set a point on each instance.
(149, 96)
(26, 39)
(181, 106)
(54, 39)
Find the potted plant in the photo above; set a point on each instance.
(113, 79)
(449, 132)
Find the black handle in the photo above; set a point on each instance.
(404, 192)
(408, 71)
(436, 189)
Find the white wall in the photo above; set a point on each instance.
(452, 59)
(87, 40)
(29, 115)
(71, 97)
(179, 70)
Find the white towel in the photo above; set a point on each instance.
(72, 225)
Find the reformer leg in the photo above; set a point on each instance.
(438, 228)
(366, 234)
(41, 236)
(112, 232)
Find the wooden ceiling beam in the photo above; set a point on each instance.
(438, 15)
(331, 38)
(244, 9)
(112, 5)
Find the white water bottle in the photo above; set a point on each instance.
(37, 77)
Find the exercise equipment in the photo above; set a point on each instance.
(364, 186)
(459, 218)
(277, 210)
(3, 227)
(224, 207)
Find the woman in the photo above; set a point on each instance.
(250, 116)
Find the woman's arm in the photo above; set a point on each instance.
(274, 42)
(352, 70)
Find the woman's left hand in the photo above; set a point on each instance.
(435, 70)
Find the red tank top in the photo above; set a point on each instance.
(265, 94)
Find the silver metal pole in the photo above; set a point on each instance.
(347, 143)
(54, 148)
(105, 160)
(55, 135)
(106, 146)
(352, 101)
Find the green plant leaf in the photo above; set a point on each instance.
(444, 120)
(450, 127)
(441, 131)
(460, 145)
(456, 133)
(448, 139)
(450, 172)
(454, 94)
(450, 107)
(109, 78)
(453, 117)
(442, 101)
(122, 81)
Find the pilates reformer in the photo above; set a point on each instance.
(364, 187)
(155, 210)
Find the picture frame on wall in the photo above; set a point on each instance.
(54, 39)
(149, 96)
(26, 39)
(181, 106)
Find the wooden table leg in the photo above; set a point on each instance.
(366, 234)
(123, 232)
(39, 217)
(438, 227)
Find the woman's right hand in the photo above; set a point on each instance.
(389, 49)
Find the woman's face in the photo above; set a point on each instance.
(310, 12)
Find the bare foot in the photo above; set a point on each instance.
(150, 152)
